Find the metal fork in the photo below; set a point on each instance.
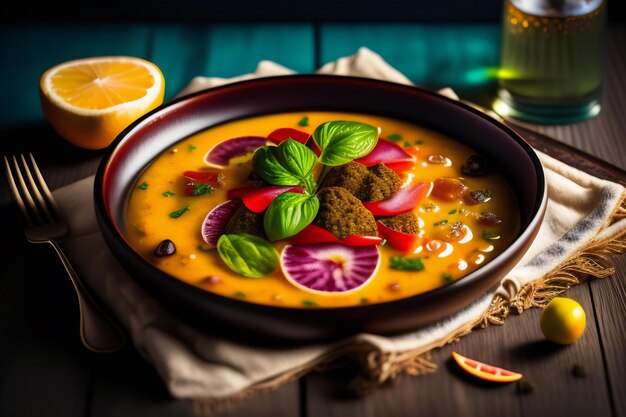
(98, 332)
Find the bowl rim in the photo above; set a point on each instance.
(538, 210)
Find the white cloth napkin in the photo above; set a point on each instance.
(196, 365)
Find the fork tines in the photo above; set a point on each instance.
(30, 191)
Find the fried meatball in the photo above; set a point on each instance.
(343, 214)
(405, 223)
(245, 221)
(367, 184)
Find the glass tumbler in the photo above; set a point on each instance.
(551, 62)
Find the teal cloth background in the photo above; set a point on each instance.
(433, 55)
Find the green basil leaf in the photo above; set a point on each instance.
(289, 163)
(248, 255)
(288, 214)
(266, 165)
(341, 142)
(296, 158)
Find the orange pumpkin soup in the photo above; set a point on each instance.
(416, 210)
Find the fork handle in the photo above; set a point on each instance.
(98, 332)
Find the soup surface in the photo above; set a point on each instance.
(464, 220)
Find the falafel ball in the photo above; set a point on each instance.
(343, 214)
(405, 223)
(245, 221)
(367, 184)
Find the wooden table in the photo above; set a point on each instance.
(45, 371)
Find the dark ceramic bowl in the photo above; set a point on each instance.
(145, 139)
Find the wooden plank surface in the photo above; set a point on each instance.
(609, 297)
(45, 371)
(517, 345)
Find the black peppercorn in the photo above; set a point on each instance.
(524, 387)
(488, 218)
(475, 166)
(165, 248)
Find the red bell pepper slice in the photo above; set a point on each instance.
(391, 154)
(316, 234)
(405, 242)
(406, 199)
(257, 199)
(213, 178)
(282, 134)
(313, 146)
(193, 178)
(235, 193)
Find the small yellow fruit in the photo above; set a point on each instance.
(90, 101)
(563, 320)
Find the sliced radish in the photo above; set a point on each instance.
(260, 199)
(315, 234)
(280, 135)
(405, 199)
(329, 268)
(221, 154)
(389, 153)
(405, 242)
(215, 222)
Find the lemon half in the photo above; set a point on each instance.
(90, 101)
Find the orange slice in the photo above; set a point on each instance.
(90, 101)
(484, 371)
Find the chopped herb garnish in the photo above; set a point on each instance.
(204, 247)
(176, 214)
(308, 303)
(201, 189)
(402, 263)
(363, 300)
(446, 278)
(192, 148)
(384, 242)
(490, 235)
(406, 144)
(442, 222)
(167, 194)
(304, 122)
(240, 295)
(143, 186)
(453, 211)
(419, 142)
(394, 137)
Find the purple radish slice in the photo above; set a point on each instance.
(221, 154)
(387, 152)
(329, 268)
(215, 222)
